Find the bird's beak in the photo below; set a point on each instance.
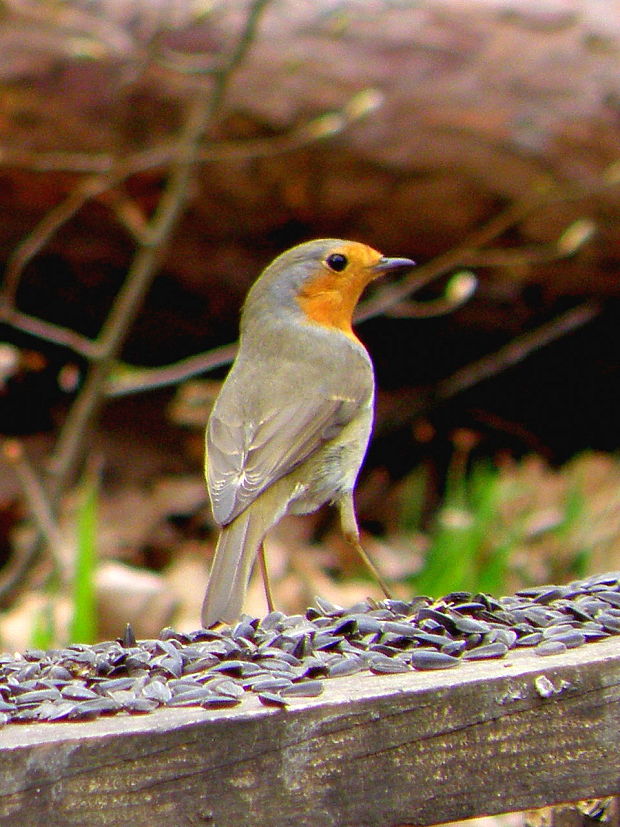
(387, 265)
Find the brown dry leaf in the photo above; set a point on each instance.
(537, 497)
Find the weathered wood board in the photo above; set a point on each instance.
(419, 748)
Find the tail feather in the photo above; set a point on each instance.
(235, 554)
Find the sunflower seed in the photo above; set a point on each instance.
(489, 650)
(427, 659)
(550, 647)
(305, 689)
(272, 699)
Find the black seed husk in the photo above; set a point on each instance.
(279, 658)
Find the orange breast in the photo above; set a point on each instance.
(330, 301)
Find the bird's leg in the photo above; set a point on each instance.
(263, 570)
(351, 532)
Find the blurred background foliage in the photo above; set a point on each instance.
(154, 159)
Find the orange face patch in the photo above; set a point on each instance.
(329, 298)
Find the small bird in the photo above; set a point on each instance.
(290, 426)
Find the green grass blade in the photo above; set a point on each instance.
(83, 627)
(448, 563)
(469, 548)
(412, 498)
(43, 634)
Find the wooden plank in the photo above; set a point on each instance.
(419, 748)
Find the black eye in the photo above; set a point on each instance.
(337, 262)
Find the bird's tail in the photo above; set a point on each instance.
(235, 554)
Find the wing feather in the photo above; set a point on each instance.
(243, 460)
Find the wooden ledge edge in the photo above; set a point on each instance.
(415, 748)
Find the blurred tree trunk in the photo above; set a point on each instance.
(468, 105)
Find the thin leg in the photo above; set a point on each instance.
(263, 570)
(351, 533)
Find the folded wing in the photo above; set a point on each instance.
(244, 459)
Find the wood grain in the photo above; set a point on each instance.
(419, 748)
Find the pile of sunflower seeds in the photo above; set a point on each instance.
(280, 657)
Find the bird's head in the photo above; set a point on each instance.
(322, 279)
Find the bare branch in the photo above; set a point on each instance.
(517, 350)
(126, 379)
(391, 298)
(460, 288)
(48, 332)
(39, 504)
(152, 238)
(117, 169)
(71, 441)
(51, 222)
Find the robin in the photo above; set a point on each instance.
(289, 429)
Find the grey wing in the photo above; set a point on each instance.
(243, 460)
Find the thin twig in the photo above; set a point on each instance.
(387, 297)
(126, 379)
(387, 300)
(68, 450)
(466, 253)
(48, 332)
(516, 351)
(103, 351)
(39, 504)
(457, 291)
(109, 172)
(51, 222)
(70, 444)
(162, 155)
